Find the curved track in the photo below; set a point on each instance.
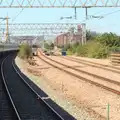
(27, 103)
(6, 110)
(69, 71)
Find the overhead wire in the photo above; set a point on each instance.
(91, 17)
(17, 15)
(103, 15)
(19, 12)
(1, 21)
(110, 13)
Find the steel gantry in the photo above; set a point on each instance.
(43, 29)
(58, 3)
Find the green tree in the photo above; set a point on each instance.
(91, 35)
(52, 46)
(25, 51)
(46, 45)
(109, 39)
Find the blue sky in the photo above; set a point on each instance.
(109, 23)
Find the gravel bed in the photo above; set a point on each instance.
(59, 98)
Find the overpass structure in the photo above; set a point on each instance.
(58, 3)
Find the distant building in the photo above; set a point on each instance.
(70, 37)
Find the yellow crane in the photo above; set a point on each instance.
(7, 28)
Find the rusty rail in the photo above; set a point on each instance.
(80, 77)
(93, 64)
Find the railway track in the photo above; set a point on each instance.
(6, 110)
(108, 84)
(93, 64)
(26, 102)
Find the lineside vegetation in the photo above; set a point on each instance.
(99, 46)
(25, 51)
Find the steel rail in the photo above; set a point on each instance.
(95, 64)
(59, 116)
(108, 68)
(90, 74)
(5, 84)
(83, 78)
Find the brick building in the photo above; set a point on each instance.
(70, 37)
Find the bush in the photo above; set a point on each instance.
(74, 46)
(114, 49)
(98, 46)
(109, 39)
(92, 49)
(48, 46)
(69, 52)
(82, 50)
(71, 49)
(98, 51)
(25, 51)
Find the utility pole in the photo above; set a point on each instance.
(86, 12)
(75, 13)
(108, 111)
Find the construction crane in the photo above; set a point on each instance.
(7, 28)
